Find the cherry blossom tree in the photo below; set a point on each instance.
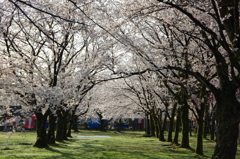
(52, 63)
(208, 23)
(220, 34)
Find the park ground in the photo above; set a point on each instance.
(115, 145)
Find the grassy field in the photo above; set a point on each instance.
(124, 145)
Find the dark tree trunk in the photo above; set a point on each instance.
(190, 127)
(75, 124)
(157, 128)
(65, 129)
(177, 126)
(228, 108)
(227, 116)
(102, 125)
(170, 129)
(206, 121)
(62, 126)
(212, 130)
(71, 124)
(152, 126)
(171, 123)
(199, 148)
(41, 119)
(162, 128)
(157, 123)
(185, 127)
(147, 125)
(206, 129)
(200, 122)
(69, 128)
(51, 129)
(120, 125)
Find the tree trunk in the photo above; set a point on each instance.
(200, 122)
(75, 123)
(171, 122)
(65, 128)
(212, 131)
(199, 148)
(158, 122)
(185, 127)
(51, 129)
(162, 128)
(70, 124)
(147, 125)
(206, 121)
(157, 128)
(228, 108)
(102, 125)
(152, 126)
(170, 129)
(227, 116)
(41, 119)
(177, 126)
(119, 125)
(62, 126)
(190, 127)
(206, 128)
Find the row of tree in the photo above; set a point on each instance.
(169, 56)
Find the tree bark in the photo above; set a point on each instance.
(190, 127)
(228, 108)
(41, 119)
(152, 126)
(157, 128)
(75, 124)
(70, 124)
(206, 122)
(102, 125)
(185, 127)
(177, 126)
(199, 148)
(162, 128)
(200, 122)
(62, 126)
(65, 128)
(227, 117)
(51, 129)
(171, 123)
(212, 131)
(147, 125)
(157, 123)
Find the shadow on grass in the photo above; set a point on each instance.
(174, 149)
(62, 154)
(210, 140)
(190, 148)
(197, 155)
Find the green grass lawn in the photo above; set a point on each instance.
(124, 145)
